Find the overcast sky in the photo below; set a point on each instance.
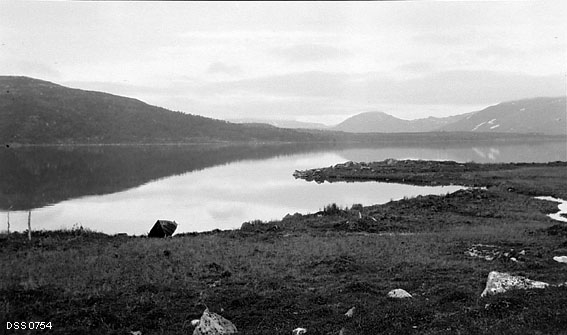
(308, 61)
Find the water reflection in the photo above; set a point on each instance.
(125, 189)
(488, 153)
(219, 197)
(36, 177)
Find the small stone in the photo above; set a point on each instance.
(299, 331)
(215, 283)
(399, 294)
(350, 312)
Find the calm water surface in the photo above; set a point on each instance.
(126, 190)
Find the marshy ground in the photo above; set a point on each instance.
(309, 270)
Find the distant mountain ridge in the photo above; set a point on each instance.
(379, 122)
(292, 124)
(537, 115)
(36, 112)
(546, 116)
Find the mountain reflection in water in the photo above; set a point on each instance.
(34, 177)
(126, 188)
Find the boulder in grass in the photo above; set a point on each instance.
(399, 294)
(500, 282)
(213, 324)
(560, 259)
(163, 228)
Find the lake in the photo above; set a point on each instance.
(121, 189)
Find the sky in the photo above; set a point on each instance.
(306, 61)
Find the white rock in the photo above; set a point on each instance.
(195, 323)
(350, 312)
(399, 294)
(560, 259)
(299, 331)
(214, 324)
(499, 282)
(136, 332)
(491, 252)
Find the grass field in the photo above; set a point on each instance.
(309, 270)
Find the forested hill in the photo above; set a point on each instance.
(36, 111)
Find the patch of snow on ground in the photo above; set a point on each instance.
(478, 125)
(562, 208)
(491, 121)
(495, 126)
(523, 109)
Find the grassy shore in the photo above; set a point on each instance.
(308, 270)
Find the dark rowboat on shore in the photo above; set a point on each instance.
(163, 228)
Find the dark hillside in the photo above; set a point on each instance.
(36, 111)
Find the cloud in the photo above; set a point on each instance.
(303, 84)
(473, 87)
(500, 52)
(417, 67)
(33, 69)
(318, 93)
(527, 52)
(446, 87)
(301, 53)
(222, 68)
(333, 93)
(442, 39)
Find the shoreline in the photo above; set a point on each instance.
(440, 173)
(336, 138)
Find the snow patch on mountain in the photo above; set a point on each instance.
(478, 126)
